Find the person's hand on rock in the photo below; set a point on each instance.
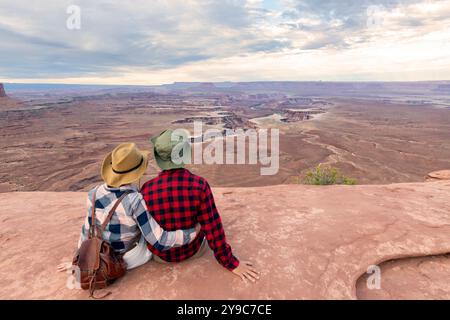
(246, 271)
(64, 266)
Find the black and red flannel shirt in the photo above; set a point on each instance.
(178, 199)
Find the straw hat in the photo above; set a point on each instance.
(124, 165)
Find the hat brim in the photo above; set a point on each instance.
(115, 179)
(164, 164)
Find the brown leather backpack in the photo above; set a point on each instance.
(99, 265)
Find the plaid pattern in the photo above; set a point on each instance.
(130, 221)
(178, 199)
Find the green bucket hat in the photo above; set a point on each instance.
(162, 149)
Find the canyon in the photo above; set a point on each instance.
(53, 139)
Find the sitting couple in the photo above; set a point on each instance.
(175, 200)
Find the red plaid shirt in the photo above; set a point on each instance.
(178, 199)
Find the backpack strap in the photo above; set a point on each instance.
(113, 209)
(92, 226)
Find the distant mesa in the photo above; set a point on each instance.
(442, 88)
(193, 87)
(438, 175)
(206, 85)
(2, 91)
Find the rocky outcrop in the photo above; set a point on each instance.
(309, 242)
(7, 104)
(294, 115)
(2, 91)
(229, 120)
(438, 175)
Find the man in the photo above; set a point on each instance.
(178, 199)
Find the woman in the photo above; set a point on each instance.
(131, 226)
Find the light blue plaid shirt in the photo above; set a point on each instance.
(130, 220)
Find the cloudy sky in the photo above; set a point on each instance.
(156, 41)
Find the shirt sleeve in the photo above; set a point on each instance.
(155, 235)
(211, 223)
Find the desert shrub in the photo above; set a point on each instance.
(325, 175)
(348, 181)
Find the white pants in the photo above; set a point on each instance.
(138, 256)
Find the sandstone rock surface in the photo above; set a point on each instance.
(309, 242)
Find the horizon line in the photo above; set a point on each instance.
(224, 81)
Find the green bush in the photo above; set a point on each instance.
(324, 175)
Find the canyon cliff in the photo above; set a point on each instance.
(2, 91)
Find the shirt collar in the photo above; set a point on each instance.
(171, 171)
(121, 188)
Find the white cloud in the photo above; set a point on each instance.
(149, 42)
